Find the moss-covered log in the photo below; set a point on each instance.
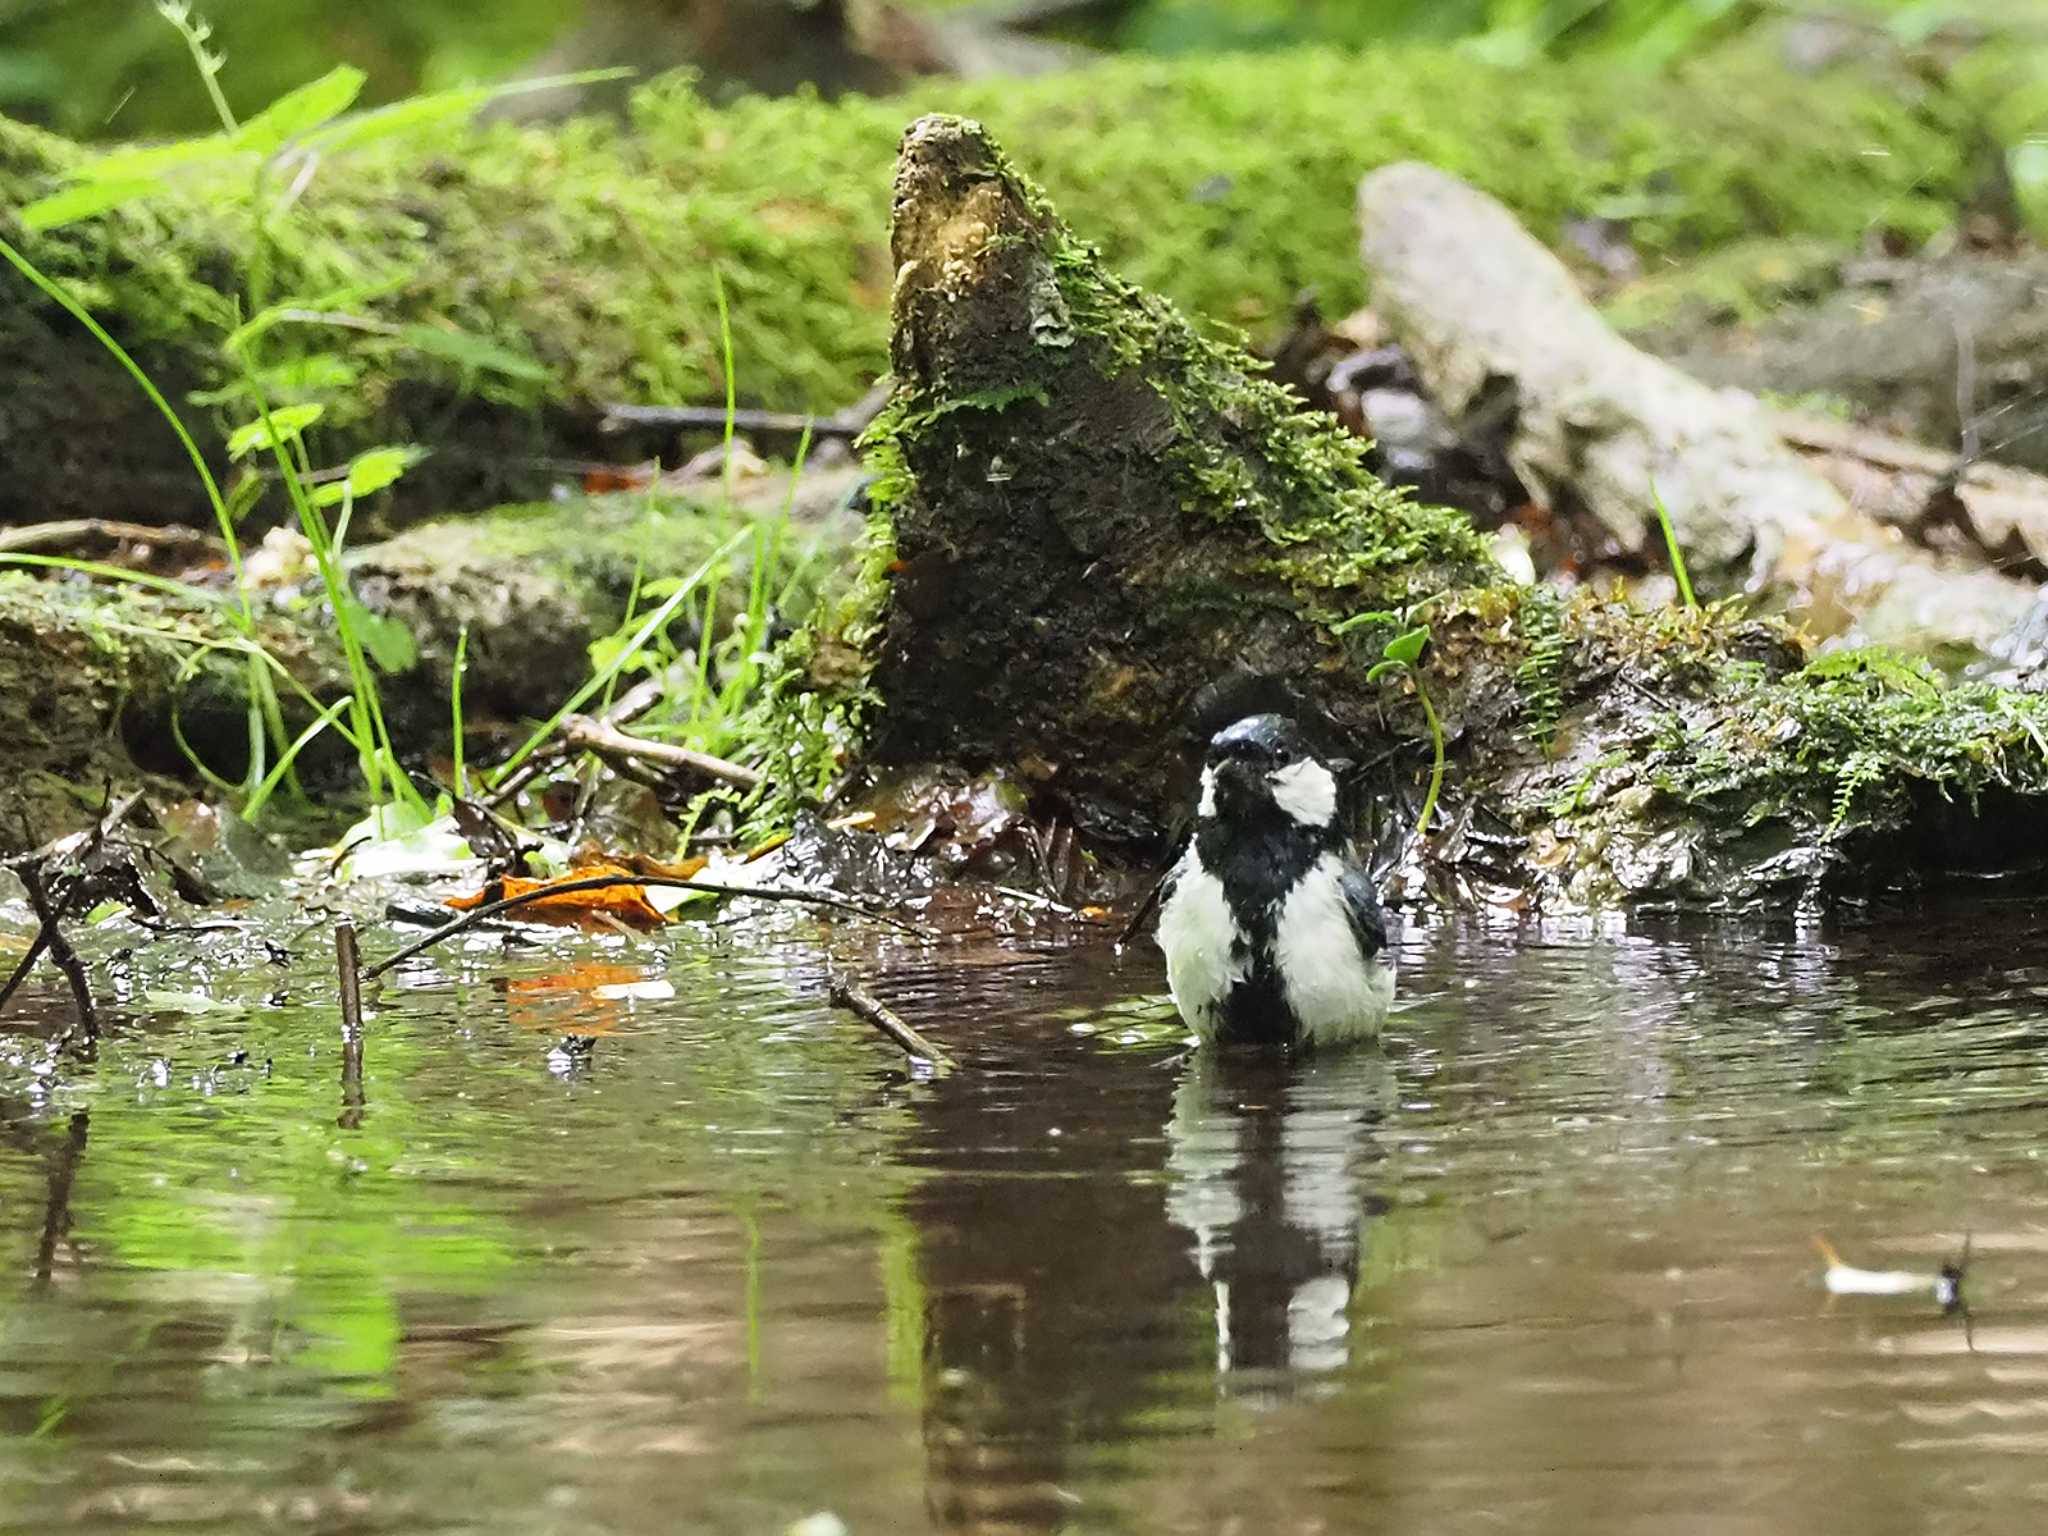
(589, 249)
(1096, 511)
(98, 680)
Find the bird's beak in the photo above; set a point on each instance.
(1236, 780)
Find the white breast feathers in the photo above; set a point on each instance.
(1336, 990)
(1203, 945)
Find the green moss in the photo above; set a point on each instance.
(809, 720)
(1702, 731)
(91, 674)
(1851, 751)
(1227, 185)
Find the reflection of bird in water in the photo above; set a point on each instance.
(1270, 926)
(1265, 1165)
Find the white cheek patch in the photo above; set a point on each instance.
(1208, 806)
(1307, 791)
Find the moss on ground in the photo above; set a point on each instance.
(1226, 185)
(533, 587)
(1703, 756)
(91, 676)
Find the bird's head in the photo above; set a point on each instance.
(1263, 770)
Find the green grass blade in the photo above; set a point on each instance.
(263, 791)
(631, 648)
(1671, 545)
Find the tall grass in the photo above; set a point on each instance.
(297, 129)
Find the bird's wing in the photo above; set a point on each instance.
(1362, 906)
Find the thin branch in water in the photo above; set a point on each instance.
(28, 962)
(476, 915)
(349, 965)
(847, 992)
(62, 955)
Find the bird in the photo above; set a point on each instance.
(1271, 929)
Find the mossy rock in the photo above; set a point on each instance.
(511, 278)
(1093, 510)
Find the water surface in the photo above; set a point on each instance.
(1543, 1263)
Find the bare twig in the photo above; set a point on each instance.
(62, 955)
(848, 993)
(847, 423)
(581, 731)
(629, 706)
(712, 418)
(476, 915)
(349, 964)
(57, 1203)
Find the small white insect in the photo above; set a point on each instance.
(1944, 1285)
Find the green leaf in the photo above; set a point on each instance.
(1370, 616)
(282, 426)
(83, 201)
(472, 352)
(1382, 669)
(153, 162)
(299, 112)
(315, 373)
(370, 473)
(407, 116)
(419, 112)
(389, 642)
(243, 496)
(1406, 647)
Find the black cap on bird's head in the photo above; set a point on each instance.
(1270, 739)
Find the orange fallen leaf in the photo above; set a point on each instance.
(627, 901)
